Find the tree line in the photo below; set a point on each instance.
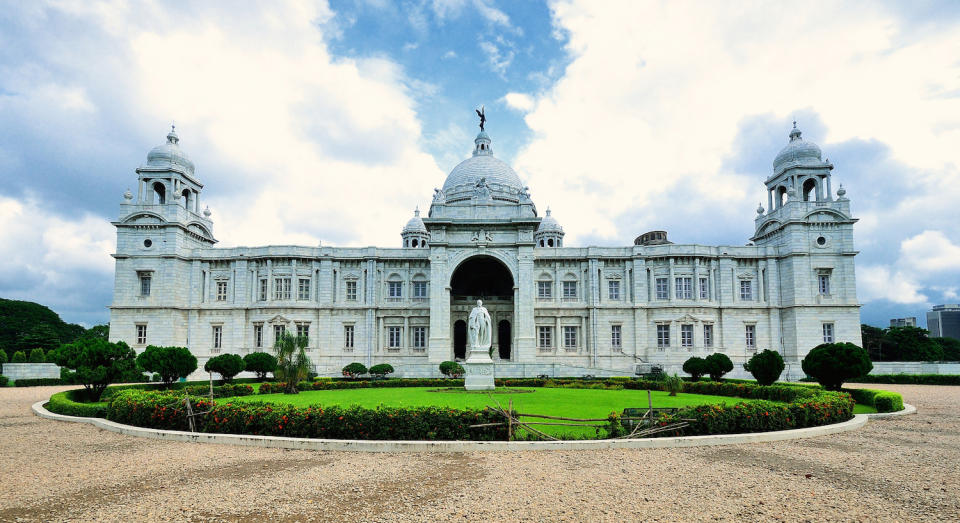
(907, 344)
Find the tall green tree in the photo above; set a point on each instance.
(261, 363)
(171, 363)
(96, 363)
(951, 348)
(292, 361)
(911, 344)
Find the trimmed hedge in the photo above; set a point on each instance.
(909, 379)
(70, 403)
(882, 400)
(271, 388)
(4, 381)
(39, 382)
(165, 410)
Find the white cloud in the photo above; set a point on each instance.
(519, 101)
(499, 57)
(931, 251)
(875, 282)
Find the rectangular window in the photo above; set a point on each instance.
(258, 335)
(663, 335)
(145, 278)
(746, 290)
(569, 290)
(708, 335)
(569, 337)
(303, 329)
(616, 338)
(217, 336)
(394, 290)
(662, 290)
(141, 334)
(545, 290)
(686, 336)
(348, 336)
(351, 291)
(545, 337)
(704, 289)
(828, 333)
(278, 331)
(394, 335)
(303, 289)
(823, 283)
(281, 288)
(751, 336)
(420, 289)
(684, 288)
(263, 289)
(419, 338)
(221, 291)
(613, 290)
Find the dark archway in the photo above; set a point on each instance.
(503, 339)
(482, 277)
(460, 340)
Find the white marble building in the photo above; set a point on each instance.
(555, 308)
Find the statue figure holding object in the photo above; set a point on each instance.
(478, 328)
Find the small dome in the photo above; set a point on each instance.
(415, 224)
(549, 224)
(798, 152)
(501, 178)
(169, 155)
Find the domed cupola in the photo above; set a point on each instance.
(797, 153)
(170, 156)
(415, 234)
(482, 177)
(549, 232)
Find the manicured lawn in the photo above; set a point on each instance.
(572, 403)
(863, 409)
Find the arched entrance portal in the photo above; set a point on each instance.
(482, 278)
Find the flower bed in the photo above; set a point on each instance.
(165, 410)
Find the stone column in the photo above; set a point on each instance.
(671, 283)
(523, 306)
(696, 279)
(440, 346)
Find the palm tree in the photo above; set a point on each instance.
(292, 361)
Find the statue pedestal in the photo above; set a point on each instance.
(479, 370)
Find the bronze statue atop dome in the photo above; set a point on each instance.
(483, 118)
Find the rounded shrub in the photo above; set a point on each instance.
(226, 365)
(354, 370)
(3, 356)
(718, 364)
(170, 363)
(451, 369)
(831, 364)
(19, 357)
(381, 370)
(36, 356)
(696, 367)
(260, 363)
(766, 366)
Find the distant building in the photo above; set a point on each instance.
(944, 321)
(904, 322)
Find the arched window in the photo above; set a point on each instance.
(415, 243)
(810, 190)
(781, 196)
(161, 192)
(541, 243)
(550, 242)
(186, 199)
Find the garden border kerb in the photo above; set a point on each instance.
(858, 421)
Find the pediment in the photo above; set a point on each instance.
(278, 319)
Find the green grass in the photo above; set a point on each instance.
(863, 409)
(571, 403)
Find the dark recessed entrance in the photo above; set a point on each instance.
(460, 340)
(503, 337)
(482, 278)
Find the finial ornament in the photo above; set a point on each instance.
(759, 208)
(483, 117)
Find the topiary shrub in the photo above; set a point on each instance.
(831, 364)
(3, 358)
(36, 356)
(673, 384)
(171, 363)
(19, 357)
(96, 363)
(226, 365)
(718, 364)
(260, 363)
(696, 367)
(451, 369)
(354, 370)
(4, 381)
(381, 370)
(766, 367)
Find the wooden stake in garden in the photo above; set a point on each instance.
(510, 421)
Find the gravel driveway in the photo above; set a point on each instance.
(901, 468)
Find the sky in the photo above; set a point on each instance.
(331, 121)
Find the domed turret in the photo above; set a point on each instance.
(170, 156)
(798, 152)
(549, 232)
(482, 169)
(415, 233)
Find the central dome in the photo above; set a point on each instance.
(500, 177)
